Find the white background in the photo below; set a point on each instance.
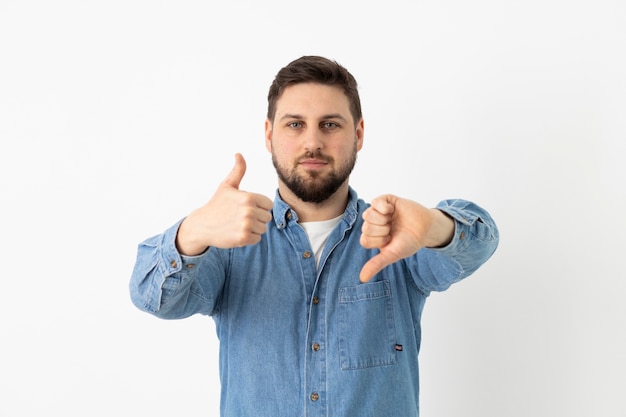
(117, 118)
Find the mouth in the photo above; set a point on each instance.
(312, 163)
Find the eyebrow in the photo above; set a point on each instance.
(324, 117)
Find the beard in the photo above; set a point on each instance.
(313, 186)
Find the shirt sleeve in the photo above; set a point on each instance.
(170, 285)
(475, 239)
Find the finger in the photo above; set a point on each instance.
(263, 215)
(384, 204)
(248, 239)
(375, 230)
(374, 242)
(375, 265)
(373, 216)
(263, 202)
(249, 231)
(258, 227)
(236, 174)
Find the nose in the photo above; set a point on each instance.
(313, 140)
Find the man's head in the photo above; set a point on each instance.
(314, 128)
(314, 69)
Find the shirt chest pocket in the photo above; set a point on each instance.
(366, 326)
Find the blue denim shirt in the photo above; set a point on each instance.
(300, 340)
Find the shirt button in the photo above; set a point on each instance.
(462, 235)
(315, 347)
(315, 396)
(289, 215)
(173, 264)
(316, 300)
(190, 266)
(306, 254)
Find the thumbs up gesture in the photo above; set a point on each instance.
(399, 228)
(231, 218)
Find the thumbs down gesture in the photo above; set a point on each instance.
(400, 228)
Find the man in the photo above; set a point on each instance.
(317, 296)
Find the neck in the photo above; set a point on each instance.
(330, 208)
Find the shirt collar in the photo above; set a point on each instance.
(282, 213)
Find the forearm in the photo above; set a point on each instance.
(441, 231)
(186, 244)
(475, 237)
(165, 283)
(474, 240)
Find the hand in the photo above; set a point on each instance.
(231, 218)
(400, 228)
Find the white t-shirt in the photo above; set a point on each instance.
(318, 233)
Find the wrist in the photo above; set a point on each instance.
(185, 243)
(441, 231)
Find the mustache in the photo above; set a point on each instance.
(317, 154)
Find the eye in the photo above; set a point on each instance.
(294, 125)
(329, 125)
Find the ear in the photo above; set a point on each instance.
(360, 132)
(268, 135)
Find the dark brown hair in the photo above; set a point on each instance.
(314, 69)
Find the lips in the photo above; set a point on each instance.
(312, 163)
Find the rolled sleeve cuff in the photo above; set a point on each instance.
(169, 254)
(465, 214)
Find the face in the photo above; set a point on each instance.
(313, 140)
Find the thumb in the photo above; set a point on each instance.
(234, 177)
(375, 265)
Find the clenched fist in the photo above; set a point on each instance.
(231, 218)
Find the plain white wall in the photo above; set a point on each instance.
(117, 118)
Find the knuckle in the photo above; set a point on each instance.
(246, 224)
(247, 213)
(247, 199)
(366, 242)
(242, 236)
